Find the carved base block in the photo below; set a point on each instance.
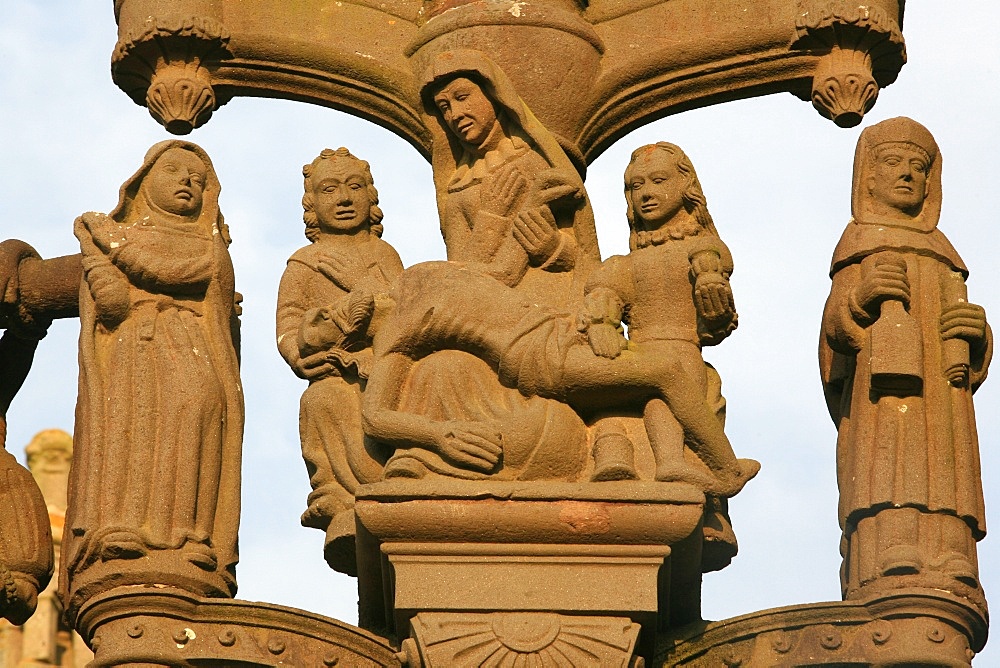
(620, 580)
(521, 639)
(168, 627)
(624, 550)
(910, 627)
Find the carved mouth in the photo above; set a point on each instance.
(344, 214)
(185, 194)
(648, 206)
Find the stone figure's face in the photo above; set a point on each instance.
(341, 199)
(655, 188)
(899, 178)
(466, 110)
(176, 181)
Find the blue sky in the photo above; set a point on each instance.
(777, 178)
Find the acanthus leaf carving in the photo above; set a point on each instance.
(166, 66)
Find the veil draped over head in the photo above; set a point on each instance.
(869, 232)
(210, 218)
(128, 400)
(449, 153)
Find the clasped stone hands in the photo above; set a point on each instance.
(474, 445)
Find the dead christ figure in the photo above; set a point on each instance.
(901, 352)
(672, 290)
(534, 349)
(330, 300)
(155, 482)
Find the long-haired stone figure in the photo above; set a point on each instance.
(330, 300)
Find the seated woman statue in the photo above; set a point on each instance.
(513, 207)
(330, 300)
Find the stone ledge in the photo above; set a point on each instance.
(169, 627)
(910, 627)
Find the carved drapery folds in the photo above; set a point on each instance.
(862, 51)
(166, 66)
(155, 485)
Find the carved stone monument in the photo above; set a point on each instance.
(154, 490)
(519, 451)
(902, 352)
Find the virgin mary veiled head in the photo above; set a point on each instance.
(176, 186)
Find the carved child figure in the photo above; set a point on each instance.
(673, 292)
(901, 353)
(329, 303)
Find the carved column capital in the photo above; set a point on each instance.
(861, 50)
(166, 65)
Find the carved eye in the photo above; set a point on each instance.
(197, 179)
(892, 161)
(919, 167)
(658, 179)
(355, 186)
(443, 106)
(170, 167)
(636, 185)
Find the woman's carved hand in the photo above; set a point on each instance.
(964, 321)
(501, 192)
(536, 231)
(887, 281)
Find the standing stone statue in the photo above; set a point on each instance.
(155, 484)
(901, 353)
(331, 298)
(26, 556)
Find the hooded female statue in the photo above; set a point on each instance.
(155, 483)
(513, 207)
(508, 194)
(901, 353)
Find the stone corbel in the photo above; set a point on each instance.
(861, 50)
(167, 66)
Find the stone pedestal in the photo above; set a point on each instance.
(568, 569)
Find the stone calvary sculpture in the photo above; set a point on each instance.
(154, 489)
(902, 352)
(331, 298)
(519, 451)
(26, 553)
